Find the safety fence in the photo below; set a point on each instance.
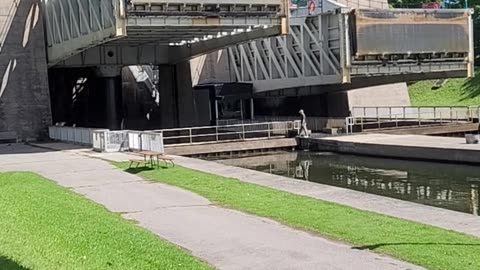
(105, 140)
(363, 118)
(75, 135)
(228, 133)
(110, 141)
(315, 124)
(146, 141)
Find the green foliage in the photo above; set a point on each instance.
(456, 92)
(423, 245)
(46, 227)
(408, 3)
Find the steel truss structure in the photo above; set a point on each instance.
(366, 46)
(74, 26)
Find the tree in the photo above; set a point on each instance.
(408, 3)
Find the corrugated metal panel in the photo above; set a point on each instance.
(411, 31)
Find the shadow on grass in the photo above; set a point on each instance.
(471, 88)
(7, 264)
(373, 247)
(138, 170)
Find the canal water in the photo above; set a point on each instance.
(449, 186)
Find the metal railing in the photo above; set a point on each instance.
(228, 133)
(387, 111)
(105, 140)
(402, 116)
(127, 140)
(316, 124)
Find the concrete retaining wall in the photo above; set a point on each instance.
(25, 112)
(382, 95)
(437, 148)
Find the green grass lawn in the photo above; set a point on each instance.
(46, 227)
(456, 92)
(423, 245)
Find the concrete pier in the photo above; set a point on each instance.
(24, 97)
(400, 146)
(231, 147)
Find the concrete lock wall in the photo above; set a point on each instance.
(382, 95)
(24, 96)
(334, 104)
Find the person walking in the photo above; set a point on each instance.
(303, 127)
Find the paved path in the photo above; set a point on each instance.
(439, 217)
(225, 238)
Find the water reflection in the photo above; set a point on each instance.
(453, 187)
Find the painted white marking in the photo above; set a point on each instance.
(28, 27)
(5, 78)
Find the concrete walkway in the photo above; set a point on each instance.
(225, 238)
(445, 149)
(443, 218)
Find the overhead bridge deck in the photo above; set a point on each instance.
(119, 32)
(341, 47)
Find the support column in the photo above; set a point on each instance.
(176, 96)
(61, 95)
(111, 90)
(187, 113)
(212, 94)
(110, 80)
(252, 109)
(168, 100)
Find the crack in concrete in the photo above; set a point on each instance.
(106, 184)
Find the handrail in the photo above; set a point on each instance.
(224, 126)
(437, 114)
(376, 110)
(227, 133)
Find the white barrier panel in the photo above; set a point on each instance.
(152, 141)
(74, 135)
(104, 140)
(134, 140)
(146, 141)
(99, 140)
(116, 141)
(110, 141)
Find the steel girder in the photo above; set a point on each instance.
(311, 54)
(76, 25)
(362, 47)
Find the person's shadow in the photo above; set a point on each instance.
(7, 264)
(375, 246)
